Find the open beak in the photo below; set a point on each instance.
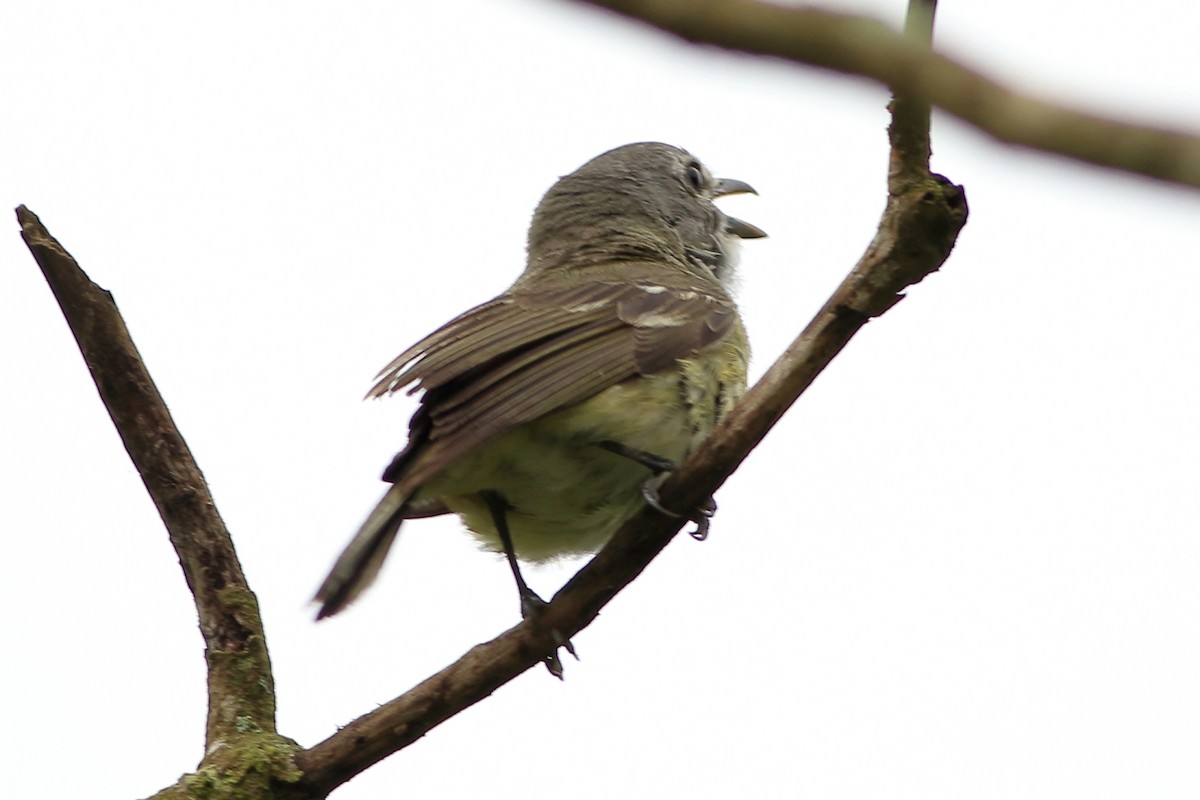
(733, 225)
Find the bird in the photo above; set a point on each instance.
(549, 414)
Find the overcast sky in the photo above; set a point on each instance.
(964, 565)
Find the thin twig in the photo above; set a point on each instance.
(908, 132)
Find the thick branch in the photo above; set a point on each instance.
(868, 48)
(920, 224)
(241, 691)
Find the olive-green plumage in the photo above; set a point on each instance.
(621, 329)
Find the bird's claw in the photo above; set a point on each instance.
(700, 516)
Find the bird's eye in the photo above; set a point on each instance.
(695, 177)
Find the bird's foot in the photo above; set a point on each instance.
(662, 467)
(533, 609)
(700, 516)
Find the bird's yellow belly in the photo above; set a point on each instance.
(566, 495)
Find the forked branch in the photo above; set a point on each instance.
(916, 234)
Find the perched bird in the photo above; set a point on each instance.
(548, 412)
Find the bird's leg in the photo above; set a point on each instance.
(655, 463)
(532, 606)
(531, 603)
(660, 467)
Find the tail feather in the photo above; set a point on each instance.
(359, 564)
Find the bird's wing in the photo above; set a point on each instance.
(526, 354)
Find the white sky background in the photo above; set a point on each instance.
(965, 565)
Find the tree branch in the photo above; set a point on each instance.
(866, 47)
(920, 224)
(241, 690)
(916, 234)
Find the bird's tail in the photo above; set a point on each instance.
(359, 563)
